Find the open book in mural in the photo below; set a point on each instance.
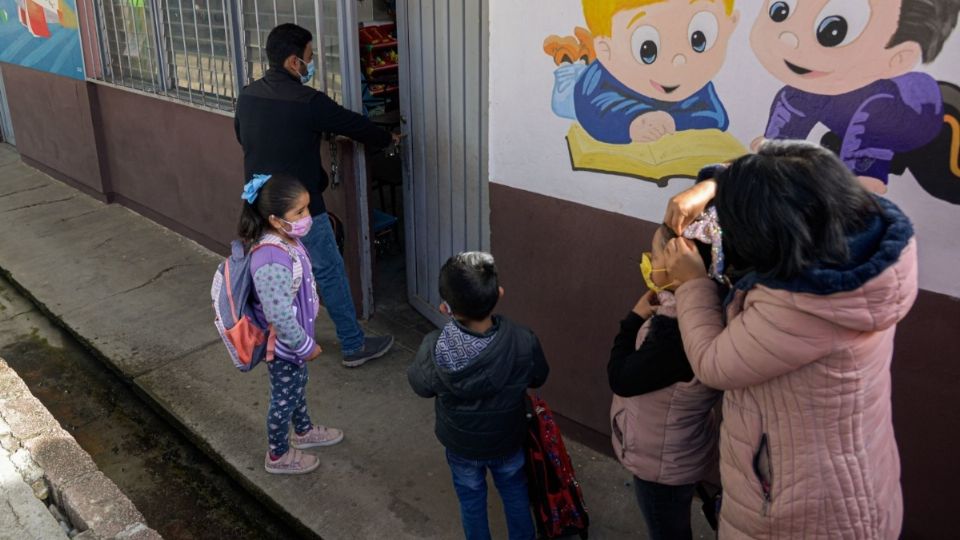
(636, 82)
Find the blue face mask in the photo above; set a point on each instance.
(311, 69)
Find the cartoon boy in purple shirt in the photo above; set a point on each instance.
(655, 61)
(848, 65)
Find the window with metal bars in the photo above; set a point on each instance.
(318, 16)
(203, 52)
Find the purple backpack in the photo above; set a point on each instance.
(233, 297)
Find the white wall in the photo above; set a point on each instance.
(528, 149)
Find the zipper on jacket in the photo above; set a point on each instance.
(763, 469)
(619, 433)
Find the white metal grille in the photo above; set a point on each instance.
(203, 52)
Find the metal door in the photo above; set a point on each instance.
(6, 125)
(443, 99)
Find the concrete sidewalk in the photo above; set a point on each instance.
(138, 295)
(22, 515)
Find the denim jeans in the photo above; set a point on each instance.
(470, 483)
(332, 283)
(666, 509)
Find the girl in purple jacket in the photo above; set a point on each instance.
(275, 216)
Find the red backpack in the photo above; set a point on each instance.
(555, 494)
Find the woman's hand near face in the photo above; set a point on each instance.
(683, 261)
(686, 206)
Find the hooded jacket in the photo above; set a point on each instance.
(480, 403)
(807, 448)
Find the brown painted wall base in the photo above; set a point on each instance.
(53, 124)
(570, 272)
(175, 164)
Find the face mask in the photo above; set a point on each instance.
(311, 69)
(647, 269)
(298, 228)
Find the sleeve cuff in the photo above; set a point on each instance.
(299, 354)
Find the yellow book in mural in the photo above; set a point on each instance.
(682, 154)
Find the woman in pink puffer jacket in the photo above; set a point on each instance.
(802, 347)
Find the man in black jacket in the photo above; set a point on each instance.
(478, 369)
(279, 122)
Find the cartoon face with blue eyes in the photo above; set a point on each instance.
(668, 50)
(831, 47)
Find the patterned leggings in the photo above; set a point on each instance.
(287, 402)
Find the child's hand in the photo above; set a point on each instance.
(647, 305)
(651, 127)
(757, 143)
(683, 261)
(315, 353)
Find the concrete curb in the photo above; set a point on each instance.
(60, 471)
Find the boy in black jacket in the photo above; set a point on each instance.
(478, 367)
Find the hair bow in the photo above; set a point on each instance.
(707, 229)
(252, 188)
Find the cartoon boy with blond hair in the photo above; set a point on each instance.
(655, 61)
(848, 65)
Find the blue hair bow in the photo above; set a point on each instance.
(252, 188)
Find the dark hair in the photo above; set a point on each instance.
(275, 198)
(469, 285)
(928, 23)
(285, 40)
(705, 250)
(788, 207)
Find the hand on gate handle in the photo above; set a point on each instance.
(394, 149)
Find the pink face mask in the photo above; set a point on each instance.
(299, 228)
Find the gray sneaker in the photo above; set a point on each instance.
(373, 348)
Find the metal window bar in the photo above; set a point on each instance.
(160, 52)
(236, 44)
(204, 52)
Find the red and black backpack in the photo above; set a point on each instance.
(555, 494)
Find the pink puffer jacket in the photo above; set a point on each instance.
(668, 436)
(807, 448)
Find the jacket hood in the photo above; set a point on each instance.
(871, 293)
(487, 373)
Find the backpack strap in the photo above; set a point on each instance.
(274, 240)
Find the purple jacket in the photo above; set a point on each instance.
(292, 315)
(874, 123)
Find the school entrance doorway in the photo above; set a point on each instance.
(418, 67)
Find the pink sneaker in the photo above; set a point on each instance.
(317, 436)
(293, 462)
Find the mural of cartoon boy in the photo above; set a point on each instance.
(848, 64)
(655, 61)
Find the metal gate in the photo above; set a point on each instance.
(6, 125)
(443, 100)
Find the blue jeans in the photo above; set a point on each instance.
(470, 483)
(666, 509)
(332, 283)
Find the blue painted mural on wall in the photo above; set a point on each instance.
(42, 35)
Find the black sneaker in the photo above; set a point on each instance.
(373, 348)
